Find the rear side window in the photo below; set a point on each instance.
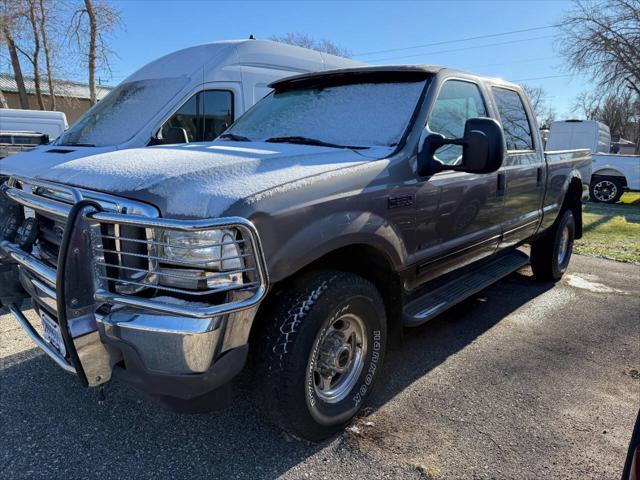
(457, 102)
(204, 116)
(515, 122)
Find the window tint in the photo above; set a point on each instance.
(186, 117)
(517, 129)
(457, 102)
(204, 116)
(217, 113)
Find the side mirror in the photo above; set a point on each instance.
(174, 135)
(482, 149)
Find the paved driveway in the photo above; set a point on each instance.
(525, 380)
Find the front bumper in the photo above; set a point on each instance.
(164, 355)
(170, 349)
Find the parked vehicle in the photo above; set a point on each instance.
(22, 130)
(591, 134)
(340, 209)
(612, 173)
(16, 142)
(191, 95)
(52, 124)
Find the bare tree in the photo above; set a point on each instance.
(94, 21)
(602, 38)
(541, 105)
(10, 25)
(307, 41)
(621, 113)
(44, 33)
(34, 56)
(3, 100)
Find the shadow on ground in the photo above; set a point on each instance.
(51, 424)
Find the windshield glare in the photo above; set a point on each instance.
(365, 114)
(122, 113)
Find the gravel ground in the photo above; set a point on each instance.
(525, 380)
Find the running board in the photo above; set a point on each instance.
(430, 305)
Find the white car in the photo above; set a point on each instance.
(612, 174)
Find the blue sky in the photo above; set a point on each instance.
(153, 28)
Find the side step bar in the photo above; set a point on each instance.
(430, 305)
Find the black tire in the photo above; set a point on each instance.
(605, 189)
(546, 263)
(286, 368)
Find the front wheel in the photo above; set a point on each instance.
(550, 254)
(320, 353)
(605, 189)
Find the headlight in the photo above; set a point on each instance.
(215, 250)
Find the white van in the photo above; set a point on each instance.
(191, 95)
(571, 134)
(51, 124)
(612, 174)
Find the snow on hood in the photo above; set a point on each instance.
(197, 180)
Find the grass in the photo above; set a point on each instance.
(612, 231)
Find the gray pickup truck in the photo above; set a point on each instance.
(341, 209)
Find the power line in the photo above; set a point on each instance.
(542, 78)
(463, 48)
(445, 42)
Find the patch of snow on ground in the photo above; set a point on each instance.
(584, 284)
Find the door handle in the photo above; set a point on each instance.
(502, 185)
(539, 178)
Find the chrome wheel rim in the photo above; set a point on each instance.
(338, 358)
(605, 190)
(563, 248)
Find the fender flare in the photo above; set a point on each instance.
(331, 233)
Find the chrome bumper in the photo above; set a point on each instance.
(166, 344)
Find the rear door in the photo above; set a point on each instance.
(523, 173)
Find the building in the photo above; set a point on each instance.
(72, 98)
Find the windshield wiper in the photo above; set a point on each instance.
(233, 136)
(311, 141)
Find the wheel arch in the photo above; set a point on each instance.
(609, 172)
(365, 260)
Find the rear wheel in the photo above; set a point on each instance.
(550, 254)
(320, 353)
(606, 189)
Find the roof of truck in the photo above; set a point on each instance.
(377, 73)
(374, 74)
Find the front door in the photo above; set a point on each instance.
(459, 213)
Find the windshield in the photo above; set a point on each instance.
(122, 113)
(365, 114)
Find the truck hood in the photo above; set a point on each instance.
(193, 180)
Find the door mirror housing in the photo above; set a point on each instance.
(482, 149)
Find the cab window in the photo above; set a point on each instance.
(204, 116)
(515, 122)
(457, 102)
